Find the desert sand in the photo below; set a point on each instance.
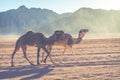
(93, 59)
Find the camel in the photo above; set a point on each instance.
(66, 40)
(34, 39)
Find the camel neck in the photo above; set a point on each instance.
(78, 40)
(80, 36)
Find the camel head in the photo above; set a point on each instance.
(82, 32)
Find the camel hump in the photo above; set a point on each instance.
(29, 33)
(41, 39)
(58, 34)
(66, 37)
(28, 37)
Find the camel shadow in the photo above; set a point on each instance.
(31, 72)
(93, 63)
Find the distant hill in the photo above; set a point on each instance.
(18, 21)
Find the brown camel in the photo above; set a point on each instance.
(34, 39)
(66, 39)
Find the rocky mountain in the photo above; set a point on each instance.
(18, 21)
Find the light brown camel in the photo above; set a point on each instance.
(34, 39)
(66, 40)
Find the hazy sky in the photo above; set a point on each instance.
(60, 6)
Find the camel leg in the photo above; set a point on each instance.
(63, 53)
(71, 49)
(12, 63)
(72, 53)
(64, 50)
(42, 53)
(48, 55)
(38, 55)
(49, 48)
(17, 47)
(25, 56)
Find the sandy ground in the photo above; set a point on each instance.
(94, 59)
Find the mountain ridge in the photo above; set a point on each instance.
(22, 19)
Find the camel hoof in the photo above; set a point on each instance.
(12, 65)
(32, 64)
(38, 63)
(44, 61)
